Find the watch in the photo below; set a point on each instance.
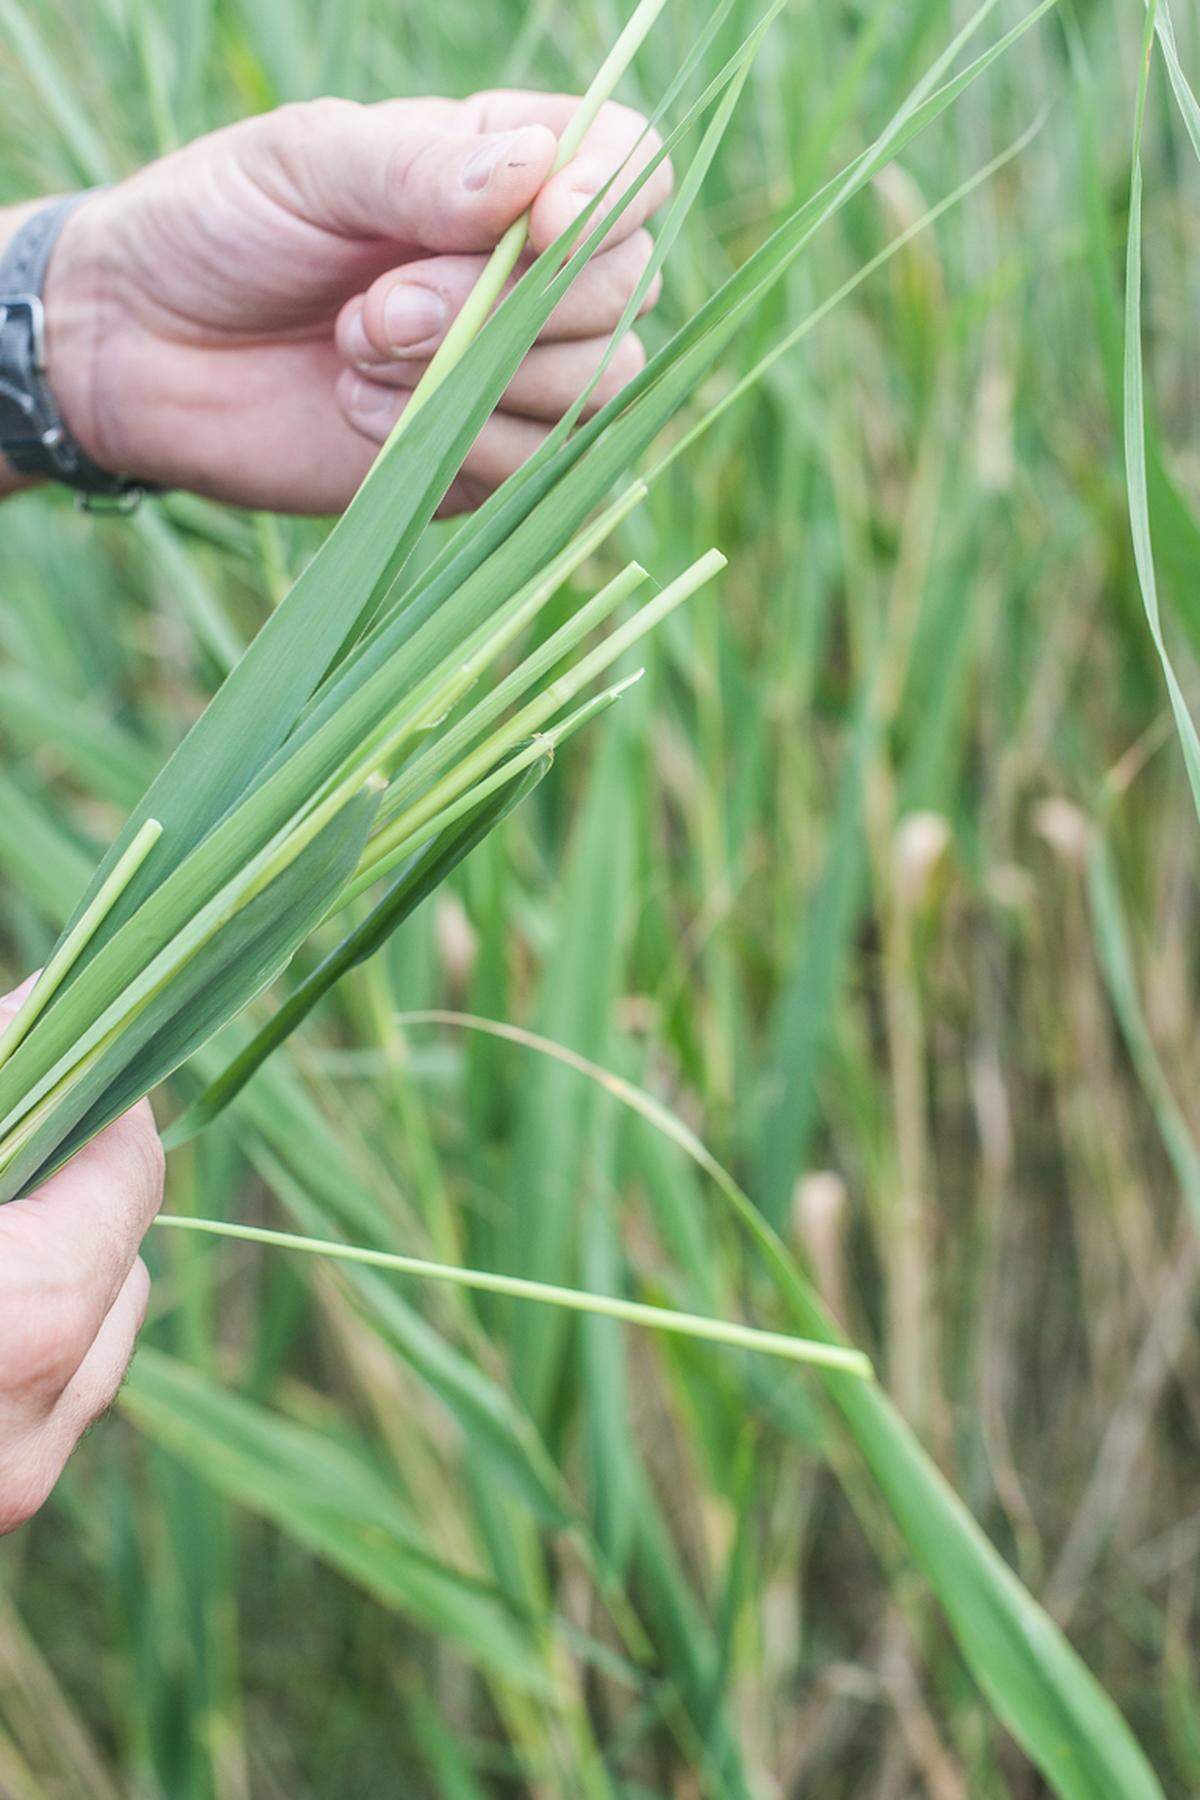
(34, 437)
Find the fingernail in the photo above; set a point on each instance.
(359, 347)
(478, 168)
(411, 314)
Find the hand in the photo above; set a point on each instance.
(246, 316)
(72, 1298)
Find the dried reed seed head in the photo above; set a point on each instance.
(819, 1204)
(457, 940)
(918, 849)
(1065, 827)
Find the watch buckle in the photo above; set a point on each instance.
(31, 306)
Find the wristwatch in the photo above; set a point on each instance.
(33, 434)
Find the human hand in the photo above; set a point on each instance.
(247, 316)
(72, 1298)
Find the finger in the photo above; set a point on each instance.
(406, 312)
(98, 1380)
(551, 378)
(79, 1233)
(616, 140)
(465, 495)
(38, 1454)
(11, 1004)
(565, 195)
(501, 447)
(370, 171)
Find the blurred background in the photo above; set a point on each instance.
(884, 882)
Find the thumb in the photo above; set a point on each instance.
(376, 172)
(10, 1004)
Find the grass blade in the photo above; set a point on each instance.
(604, 1306)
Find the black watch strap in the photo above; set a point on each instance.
(33, 435)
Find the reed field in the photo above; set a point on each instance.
(836, 984)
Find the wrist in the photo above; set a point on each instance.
(11, 220)
(75, 298)
(58, 254)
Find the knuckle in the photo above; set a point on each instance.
(300, 118)
(641, 249)
(143, 1159)
(477, 104)
(405, 162)
(294, 139)
(47, 1335)
(622, 121)
(652, 144)
(153, 1159)
(25, 1486)
(630, 358)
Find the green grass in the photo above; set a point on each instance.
(349, 1525)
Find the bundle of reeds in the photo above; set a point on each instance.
(355, 743)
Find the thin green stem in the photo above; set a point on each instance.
(533, 716)
(76, 942)
(606, 1306)
(505, 257)
(800, 331)
(412, 799)
(380, 858)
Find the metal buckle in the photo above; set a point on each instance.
(122, 504)
(31, 306)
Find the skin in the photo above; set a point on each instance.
(73, 1293)
(246, 318)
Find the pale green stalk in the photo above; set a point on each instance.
(445, 685)
(421, 709)
(31, 1122)
(440, 692)
(545, 743)
(77, 941)
(514, 1287)
(505, 257)
(557, 647)
(270, 861)
(532, 717)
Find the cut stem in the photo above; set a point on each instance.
(379, 860)
(76, 942)
(515, 1287)
(412, 788)
(539, 711)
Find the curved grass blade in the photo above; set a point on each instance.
(1035, 1681)
(1116, 960)
(848, 1362)
(1135, 429)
